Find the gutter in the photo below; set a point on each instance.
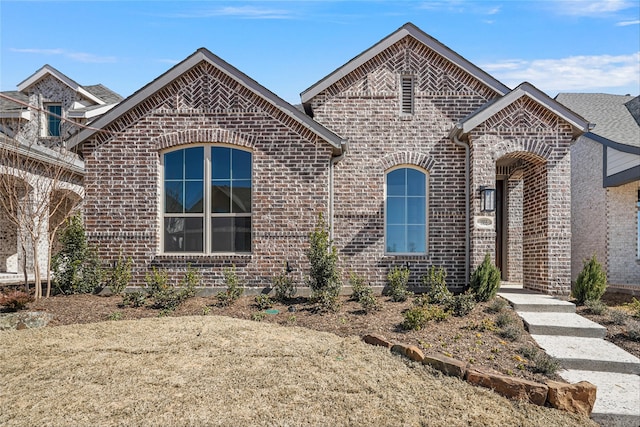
(453, 135)
(332, 163)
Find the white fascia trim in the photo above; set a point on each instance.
(21, 115)
(90, 113)
(48, 70)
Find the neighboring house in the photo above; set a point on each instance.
(204, 166)
(35, 123)
(605, 186)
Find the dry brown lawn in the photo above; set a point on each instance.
(212, 370)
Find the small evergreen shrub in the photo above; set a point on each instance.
(324, 278)
(120, 275)
(76, 268)
(634, 333)
(397, 279)
(263, 302)
(234, 289)
(15, 300)
(485, 280)
(510, 331)
(541, 362)
(368, 301)
(436, 284)
(284, 287)
(591, 282)
(505, 319)
(461, 305)
(156, 281)
(596, 307)
(417, 318)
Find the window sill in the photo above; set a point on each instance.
(203, 257)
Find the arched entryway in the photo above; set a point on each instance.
(521, 238)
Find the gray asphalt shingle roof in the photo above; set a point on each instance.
(612, 119)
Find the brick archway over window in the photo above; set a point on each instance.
(407, 158)
(204, 135)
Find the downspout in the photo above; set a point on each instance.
(467, 237)
(332, 163)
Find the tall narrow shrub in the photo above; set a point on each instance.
(76, 268)
(324, 278)
(591, 282)
(485, 280)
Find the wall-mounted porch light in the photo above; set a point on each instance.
(487, 199)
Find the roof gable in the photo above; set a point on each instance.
(578, 123)
(198, 57)
(48, 70)
(406, 30)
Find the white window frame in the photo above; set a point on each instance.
(426, 210)
(206, 215)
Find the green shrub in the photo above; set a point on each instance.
(284, 287)
(166, 297)
(15, 300)
(435, 282)
(485, 280)
(234, 289)
(359, 286)
(324, 278)
(120, 275)
(591, 282)
(134, 299)
(263, 302)
(397, 280)
(258, 317)
(116, 315)
(462, 304)
(417, 318)
(634, 306)
(596, 307)
(76, 268)
(368, 301)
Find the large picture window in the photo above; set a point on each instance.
(207, 200)
(406, 211)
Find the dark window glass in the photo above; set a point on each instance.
(53, 120)
(183, 234)
(406, 211)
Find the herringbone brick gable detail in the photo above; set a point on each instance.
(434, 74)
(203, 89)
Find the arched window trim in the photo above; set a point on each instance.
(207, 214)
(426, 209)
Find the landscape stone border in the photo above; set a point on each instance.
(576, 398)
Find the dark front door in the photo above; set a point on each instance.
(501, 249)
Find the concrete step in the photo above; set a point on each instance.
(588, 354)
(565, 324)
(617, 396)
(537, 303)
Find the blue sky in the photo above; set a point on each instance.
(558, 45)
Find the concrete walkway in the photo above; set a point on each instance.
(579, 345)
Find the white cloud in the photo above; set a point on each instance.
(591, 7)
(575, 73)
(626, 23)
(75, 56)
(244, 12)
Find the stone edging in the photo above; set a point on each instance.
(576, 398)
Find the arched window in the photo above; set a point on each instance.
(206, 200)
(406, 211)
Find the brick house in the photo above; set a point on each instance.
(605, 182)
(35, 122)
(204, 166)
